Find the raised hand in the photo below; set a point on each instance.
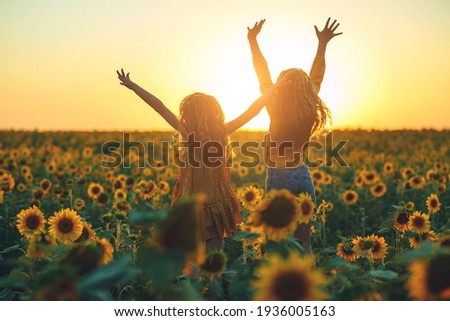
(328, 32)
(125, 79)
(253, 32)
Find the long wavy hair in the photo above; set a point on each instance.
(202, 115)
(298, 107)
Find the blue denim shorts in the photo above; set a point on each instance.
(296, 180)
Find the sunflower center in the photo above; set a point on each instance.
(214, 263)
(95, 190)
(350, 196)
(45, 185)
(290, 286)
(446, 242)
(433, 203)
(279, 213)
(370, 177)
(249, 196)
(367, 245)
(347, 250)
(402, 218)
(65, 225)
(378, 188)
(419, 222)
(103, 198)
(376, 247)
(32, 222)
(438, 278)
(306, 208)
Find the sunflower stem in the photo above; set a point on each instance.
(118, 235)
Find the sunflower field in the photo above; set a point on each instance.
(72, 229)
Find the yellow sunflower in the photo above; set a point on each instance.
(94, 190)
(378, 190)
(78, 204)
(21, 187)
(40, 243)
(401, 221)
(294, 279)
(345, 251)
(362, 245)
(66, 226)
(358, 181)
(86, 234)
(329, 206)
(45, 185)
(416, 240)
(417, 182)
(243, 171)
(409, 206)
(120, 194)
(102, 199)
(277, 215)
(29, 221)
(107, 251)
(407, 172)
(379, 248)
(441, 189)
(118, 184)
(7, 182)
(350, 197)
(306, 208)
(260, 169)
(164, 187)
(317, 175)
(430, 279)
(250, 197)
(327, 179)
(214, 264)
(25, 170)
(88, 152)
(388, 168)
(370, 177)
(433, 204)
(419, 222)
(430, 174)
(122, 206)
(146, 189)
(147, 172)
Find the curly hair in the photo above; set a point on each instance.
(201, 114)
(303, 114)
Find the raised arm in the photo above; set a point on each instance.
(259, 62)
(255, 108)
(318, 67)
(151, 100)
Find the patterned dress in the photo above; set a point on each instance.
(220, 211)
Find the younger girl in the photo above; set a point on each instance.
(296, 114)
(201, 117)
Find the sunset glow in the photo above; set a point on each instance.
(389, 69)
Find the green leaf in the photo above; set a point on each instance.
(161, 266)
(107, 276)
(337, 262)
(10, 249)
(329, 250)
(146, 218)
(246, 235)
(384, 274)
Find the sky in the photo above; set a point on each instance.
(389, 70)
